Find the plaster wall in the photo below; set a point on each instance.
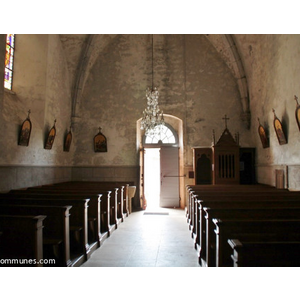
(195, 85)
(40, 83)
(273, 73)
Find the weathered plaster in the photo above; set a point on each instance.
(193, 81)
(226, 47)
(273, 71)
(40, 84)
(196, 84)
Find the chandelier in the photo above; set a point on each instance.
(153, 118)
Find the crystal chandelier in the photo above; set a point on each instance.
(152, 116)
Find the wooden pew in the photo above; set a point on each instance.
(207, 190)
(123, 209)
(102, 219)
(227, 204)
(109, 213)
(21, 242)
(223, 196)
(265, 253)
(109, 184)
(196, 192)
(262, 230)
(99, 227)
(116, 198)
(241, 213)
(80, 250)
(56, 239)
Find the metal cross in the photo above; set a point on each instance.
(225, 118)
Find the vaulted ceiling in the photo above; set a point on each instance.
(83, 49)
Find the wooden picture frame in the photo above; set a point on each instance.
(50, 137)
(68, 141)
(297, 112)
(279, 130)
(263, 136)
(25, 132)
(100, 142)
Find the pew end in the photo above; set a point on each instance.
(265, 253)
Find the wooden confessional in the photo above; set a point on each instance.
(225, 162)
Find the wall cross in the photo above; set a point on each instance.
(225, 118)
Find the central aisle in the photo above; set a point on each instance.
(159, 238)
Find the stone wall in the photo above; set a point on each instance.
(40, 84)
(195, 85)
(17, 177)
(273, 73)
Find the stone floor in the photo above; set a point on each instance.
(148, 240)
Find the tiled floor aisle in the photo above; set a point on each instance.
(148, 241)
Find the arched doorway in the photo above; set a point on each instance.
(176, 126)
(161, 168)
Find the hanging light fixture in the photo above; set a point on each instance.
(153, 118)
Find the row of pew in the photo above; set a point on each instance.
(244, 225)
(59, 224)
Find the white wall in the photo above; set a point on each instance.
(273, 73)
(41, 84)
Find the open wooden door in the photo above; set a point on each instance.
(169, 162)
(142, 182)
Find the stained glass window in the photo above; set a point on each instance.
(9, 60)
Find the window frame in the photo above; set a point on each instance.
(160, 143)
(9, 88)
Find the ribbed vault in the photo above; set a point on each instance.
(91, 46)
(225, 45)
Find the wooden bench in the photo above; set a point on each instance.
(202, 190)
(122, 185)
(56, 241)
(196, 192)
(123, 209)
(80, 250)
(116, 202)
(234, 194)
(207, 190)
(110, 214)
(258, 203)
(21, 242)
(254, 230)
(122, 206)
(240, 214)
(224, 196)
(265, 253)
(99, 206)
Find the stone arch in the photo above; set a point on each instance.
(91, 48)
(225, 45)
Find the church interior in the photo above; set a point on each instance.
(83, 82)
(71, 112)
